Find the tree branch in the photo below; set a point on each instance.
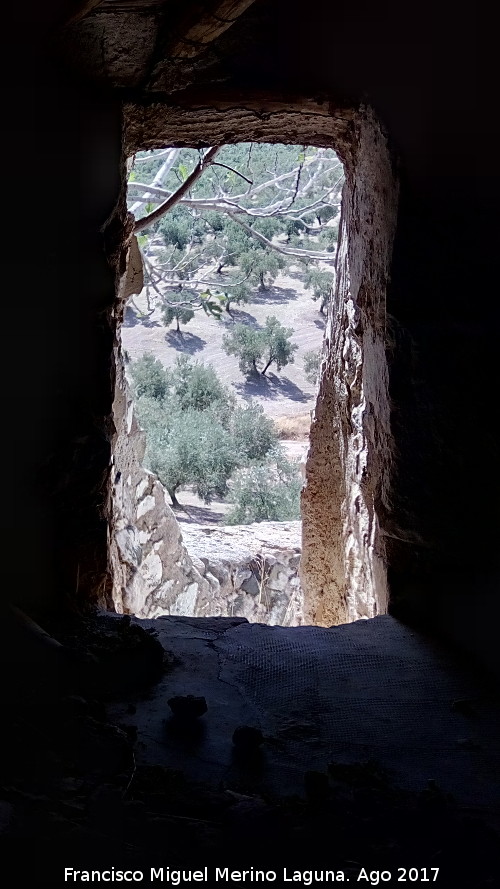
(237, 172)
(153, 156)
(256, 189)
(158, 179)
(286, 251)
(174, 198)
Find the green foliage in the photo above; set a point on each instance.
(328, 238)
(215, 221)
(262, 264)
(197, 450)
(238, 292)
(154, 417)
(247, 344)
(268, 226)
(265, 492)
(279, 349)
(321, 283)
(326, 213)
(178, 228)
(174, 232)
(195, 433)
(252, 346)
(150, 377)
(189, 385)
(212, 303)
(177, 310)
(294, 227)
(197, 387)
(312, 362)
(253, 433)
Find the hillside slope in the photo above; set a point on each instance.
(287, 396)
(284, 394)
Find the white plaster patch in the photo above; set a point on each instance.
(141, 488)
(152, 569)
(162, 592)
(186, 601)
(146, 505)
(130, 417)
(129, 546)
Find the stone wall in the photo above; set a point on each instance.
(242, 571)
(151, 571)
(343, 564)
(247, 571)
(253, 570)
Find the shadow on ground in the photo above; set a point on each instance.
(131, 319)
(184, 341)
(276, 295)
(240, 317)
(199, 515)
(271, 386)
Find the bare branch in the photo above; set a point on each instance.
(154, 156)
(179, 193)
(193, 267)
(257, 189)
(287, 251)
(223, 203)
(181, 304)
(218, 164)
(164, 170)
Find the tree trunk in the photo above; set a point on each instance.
(178, 328)
(263, 372)
(175, 502)
(262, 285)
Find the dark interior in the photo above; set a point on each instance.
(81, 88)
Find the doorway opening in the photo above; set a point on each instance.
(214, 301)
(222, 350)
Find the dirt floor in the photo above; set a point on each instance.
(358, 749)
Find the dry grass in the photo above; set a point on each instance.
(293, 428)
